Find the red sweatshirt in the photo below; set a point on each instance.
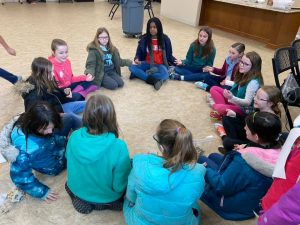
(63, 73)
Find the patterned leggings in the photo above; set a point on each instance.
(86, 207)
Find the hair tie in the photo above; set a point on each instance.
(253, 117)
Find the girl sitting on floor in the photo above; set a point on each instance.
(164, 190)
(98, 161)
(247, 81)
(35, 146)
(80, 85)
(237, 181)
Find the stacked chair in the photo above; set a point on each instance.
(287, 60)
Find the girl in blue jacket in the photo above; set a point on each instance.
(153, 55)
(237, 181)
(164, 189)
(38, 149)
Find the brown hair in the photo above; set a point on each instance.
(57, 42)
(274, 96)
(254, 73)
(41, 75)
(177, 143)
(240, 47)
(208, 47)
(99, 115)
(100, 30)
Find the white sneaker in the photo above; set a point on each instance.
(201, 85)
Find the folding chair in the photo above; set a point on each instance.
(116, 4)
(148, 6)
(285, 59)
(296, 46)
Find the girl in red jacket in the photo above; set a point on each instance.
(80, 85)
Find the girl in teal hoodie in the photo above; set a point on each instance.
(164, 190)
(98, 162)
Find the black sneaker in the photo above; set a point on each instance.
(131, 76)
(158, 84)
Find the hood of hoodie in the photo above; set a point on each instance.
(87, 148)
(258, 164)
(23, 87)
(161, 180)
(8, 151)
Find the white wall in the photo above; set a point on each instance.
(185, 11)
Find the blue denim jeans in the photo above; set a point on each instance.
(213, 161)
(8, 76)
(70, 122)
(139, 71)
(187, 70)
(74, 108)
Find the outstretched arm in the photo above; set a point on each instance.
(9, 50)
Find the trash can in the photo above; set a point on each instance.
(132, 17)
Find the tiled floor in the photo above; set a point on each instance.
(30, 28)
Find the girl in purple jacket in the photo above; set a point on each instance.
(285, 211)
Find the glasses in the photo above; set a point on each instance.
(155, 138)
(242, 63)
(103, 38)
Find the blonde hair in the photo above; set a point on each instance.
(274, 96)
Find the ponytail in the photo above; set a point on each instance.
(177, 142)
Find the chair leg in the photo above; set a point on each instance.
(288, 115)
(113, 10)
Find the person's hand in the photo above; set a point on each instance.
(137, 61)
(208, 69)
(239, 147)
(89, 77)
(204, 164)
(227, 94)
(230, 113)
(68, 92)
(223, 82)
(178, 62)
(51, 197)
(11, 51)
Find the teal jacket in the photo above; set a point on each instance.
(97, 166)
(155, 197)
(199, 61)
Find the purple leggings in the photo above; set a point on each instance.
(221, 103)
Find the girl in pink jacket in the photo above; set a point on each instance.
(80, 85)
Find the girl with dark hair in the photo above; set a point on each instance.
(247, 81)
(104, 61)
(98, 161)
(164, 181)
(201, 54)
(153, 55)
(238, 180)
(36, 147)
